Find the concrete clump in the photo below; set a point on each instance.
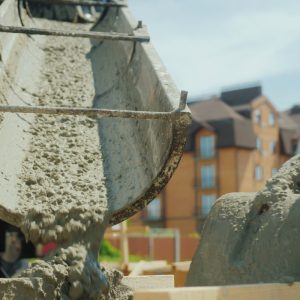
(252, 238)
(62, 185)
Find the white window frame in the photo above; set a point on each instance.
(273, 146)
(259, 173)
(208, 176)
(154, 212)
(271, 119)
(258, 143)
(207, 201)
(207, 149)
(257, 116)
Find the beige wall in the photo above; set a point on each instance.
(227, 170)
(267, 133)
(179, 195)
(245, 170)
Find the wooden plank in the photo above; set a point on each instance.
(130, 229)
(138, 269)
(180, 277)
(124, 245)
(180, 271)
(242, 292)
(182, 265)
(167, 270)
(150, 266)
(149, 282)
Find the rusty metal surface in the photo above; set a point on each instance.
(91, 112)
(75, 34)
(167, 170)
(79, 2)
(138, 72)
(96, 112)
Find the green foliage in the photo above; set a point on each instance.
(111, 254)
(136, 258)
(107, 250)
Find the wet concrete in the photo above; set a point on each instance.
(64, 179)
(252, 237)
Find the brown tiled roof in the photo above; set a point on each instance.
(294, 114)
(286, 121)
(244, 110)
(244, 134)
(212, 109)
(194, 128)
(230, 118)
(295, 110)
(288, 138)
(242, 96)
(231, 128)
(296, 119)
(290, 130)
(234, 133)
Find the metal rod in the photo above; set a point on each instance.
(177, 244)
(183, 100)
(78, 2)
(82, 34)
(90, 112)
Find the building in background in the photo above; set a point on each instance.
(236, 142)
(290, 130)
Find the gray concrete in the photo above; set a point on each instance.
(142, 155)
(64, 178)
(252, 237)
(139, 155)
(21, 61)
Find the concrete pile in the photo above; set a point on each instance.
(252, 238)
(64, 179)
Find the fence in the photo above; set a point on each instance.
(162, 244)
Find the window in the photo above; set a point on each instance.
(154, 210)
(258, 173)
(274, 171)
(208, 176)
(207, 203)
(273, 145)
(257, 116)
(295, 146)
(258, 144)
(272, 119)
(207, 146)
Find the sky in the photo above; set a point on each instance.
(208, 45)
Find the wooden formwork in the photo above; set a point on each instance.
(161, 287)
(180, 271)
(242, 292)
(149, 282)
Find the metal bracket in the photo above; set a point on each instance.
(114, 36)
(183, 100)
(78, 2)
(90, 112)
(97, 112)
